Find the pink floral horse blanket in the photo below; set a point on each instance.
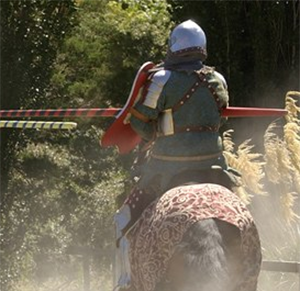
(163, 223)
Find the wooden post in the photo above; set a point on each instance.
(280, 266)
(86, 272)
(85, 253)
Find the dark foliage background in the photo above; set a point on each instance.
(58, 188)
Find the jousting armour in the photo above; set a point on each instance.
(179, 131)
(181, 112)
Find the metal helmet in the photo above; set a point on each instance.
(188, 38)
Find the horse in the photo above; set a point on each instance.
(194, 237)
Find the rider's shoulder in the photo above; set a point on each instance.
(216, 74)
(221, 78)
(161, 77)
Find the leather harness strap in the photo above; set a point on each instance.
(185, 159)
(195, 128)
(202, 79)
(187, 96)
(139, 115)
(192, 128)
(210, 88)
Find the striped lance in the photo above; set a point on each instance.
(23, 124)
(114, 112)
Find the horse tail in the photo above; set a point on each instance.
(207, 259)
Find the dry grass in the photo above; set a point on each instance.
(282, 157)
(276, 214)
(279, 165)
(249, 164)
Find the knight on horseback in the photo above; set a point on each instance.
(179, 115)
(178, 118)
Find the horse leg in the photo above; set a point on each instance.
(207, 259)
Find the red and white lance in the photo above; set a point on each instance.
(114, 112)
(120, 133)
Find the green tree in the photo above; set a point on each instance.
(114, 38)
(58, 189)
(31, 32)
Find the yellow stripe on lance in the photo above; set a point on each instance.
(23, 124)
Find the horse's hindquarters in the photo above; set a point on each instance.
(208, 228)
(207, 259)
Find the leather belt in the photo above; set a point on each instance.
(195, 128)
(185, 159)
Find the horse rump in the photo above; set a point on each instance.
(198, 237)
(207, 259)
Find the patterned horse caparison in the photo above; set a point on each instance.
(163, 224)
